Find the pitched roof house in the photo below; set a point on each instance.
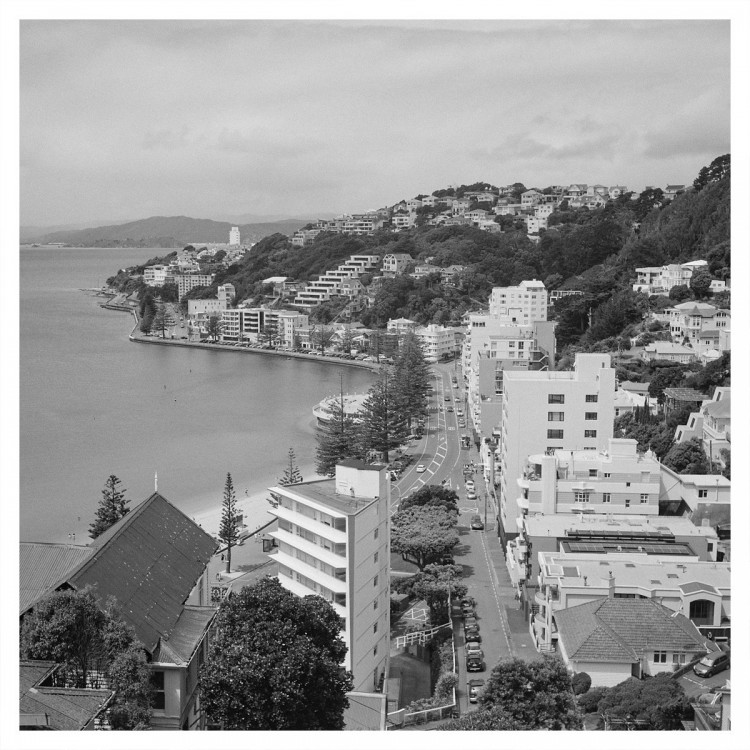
(153, 561)
(612, 639)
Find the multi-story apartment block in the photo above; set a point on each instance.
(247, 323)
(616, 480)
(544, 211)
(187, 281)
(660, 279)
(535, 223)
(522, 304)
(155, 275)
(413, 204)
(402, 221)
(505, 208)
(330, 283)
(400, 325)
(699, 590)
(437, 342)
(304, 237)
(234, 236)
(202, 308)
(546, 410)
(704, 499)
(333, 537)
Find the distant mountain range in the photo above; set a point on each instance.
(163, 231)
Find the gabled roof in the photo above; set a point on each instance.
(67, 709)
(149, 561)
(180, 646)
(621, 630)
(43, 567)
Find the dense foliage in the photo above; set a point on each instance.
(229, 531)
(94, 646)
(276, 662)
(424, 534)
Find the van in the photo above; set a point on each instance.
(712, 664)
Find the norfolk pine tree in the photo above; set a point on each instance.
(337, 439)
(411, 379)
(228, 529)
(291, 472)
(383, 425)
(112, 507)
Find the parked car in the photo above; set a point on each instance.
(712, 664)
(471, 495)
(468, 601)
(467, 607)
(474, 664)
(447, 397)
(469, 484)
(449, 408)
(474, 687)
(421, 469)
(476, 523)
(472, 636)
(471, 622)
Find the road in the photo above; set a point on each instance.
(478, 551)
(694, 685)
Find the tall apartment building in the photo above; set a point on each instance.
(333, 537)
(246, 323)
(155, 275)
(437, 342)
(205, 307)
(522, 304)
(187, 281)
(234, 236)
(330, 283)
(543, 411)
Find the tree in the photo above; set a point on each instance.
(94, 648)
(665, 377)
(214, 326)
(489, 720)
(433, 584)
(112, 507)
(433, 496)
(269, 334)
(229, 531)
(276, 662)
(687, 458)
(680, 293)
(700, 283)
(536, 694)
(659, 700)
(382, 422)
(424, 535)
(337, 438)
(321, 337)
(291, 472)
(411, 379)
(580, 682)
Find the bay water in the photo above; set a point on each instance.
(92, 404)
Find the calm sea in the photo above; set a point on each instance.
(93, 404)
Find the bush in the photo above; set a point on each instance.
(581, 682)
(589, 701)
(445, 685)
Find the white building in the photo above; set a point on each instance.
(188, 281)
(543, 411)
(616, 480)
(520, 304)
(660, 279)
(155, 275)
(395, 263)
(437, 342)
(333, 537)
(690, 321)
(669, 351)
(234, 236)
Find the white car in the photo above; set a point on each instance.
(471, 495)
(421, 469)
(470, 484)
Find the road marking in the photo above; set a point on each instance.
(469, 510)
(500, 610)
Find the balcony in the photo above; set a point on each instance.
(540, 599)
(323, 579)
(326, 556)
(317, 527)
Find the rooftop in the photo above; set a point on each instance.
(616, 630)
(559, 524)
(323, 491)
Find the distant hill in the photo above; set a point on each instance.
(31, 233)
(168, 231)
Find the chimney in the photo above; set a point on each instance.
(611, 582)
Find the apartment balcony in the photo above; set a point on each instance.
(323, 579)
(326, 556)
(540, 599)
(337, 536)
(299, 590)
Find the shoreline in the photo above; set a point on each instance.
(251, 494)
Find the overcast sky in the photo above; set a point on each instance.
(128, 119)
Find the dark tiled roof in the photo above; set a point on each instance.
(150, 561)
(185, 636)
(695, 586)
(68, 709)
(44, 566)
(684, 394)
(607, 630)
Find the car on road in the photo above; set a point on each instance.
(712, 664)
(476, 523)
(457, 398)
(449, 408)
(475, 687)
(421, 469)
(474, 649)
(474, 664)
(472, 637)
(468, 601)
(469, 484)
(467, 607)
(447, 397)
(471, 495)
(470, 621)
(461, 423)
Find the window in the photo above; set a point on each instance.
(702, 493)
(589, 434)
(375, 651)
(375, 604)
(377, 531)
(555, 434)
(591, 398)
(581, 496)
(593, 472)
(555, 416)
(556, 398)
(627, 502)
(644, 498)
(375, 581)
(591, 415)
(660, 657)
(375, 628)
(606, 497)
(627, 484)
(678, 658)
(375, 557)
(158, 697)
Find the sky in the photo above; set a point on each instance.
(121, 120)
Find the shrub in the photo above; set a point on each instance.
(589, 701)
(445, 685)
(581, 682)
